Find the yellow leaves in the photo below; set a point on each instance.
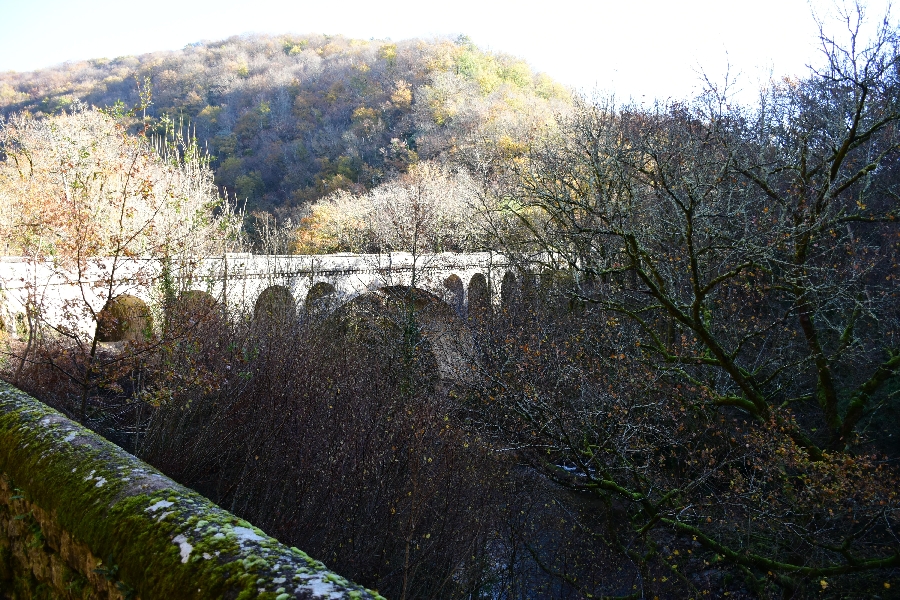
(442, 109)
(334, 92)
(479, 67)
(8, 95)
(293, 48)
(364, 112)
(401, 97)
(510, 148)
(388, 52)
(518, 73)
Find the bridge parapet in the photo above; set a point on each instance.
(82, 518)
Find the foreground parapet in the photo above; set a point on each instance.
(82, 518)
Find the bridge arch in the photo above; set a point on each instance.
(555, 288)
(275, 305)
(320, 298)
(510, 295)
(124, 318)
(449, 340)
(20, 325)
(479, 309)
(193, 309)
(454, 293)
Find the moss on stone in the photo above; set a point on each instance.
(162, 540)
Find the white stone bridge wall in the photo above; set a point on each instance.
(237, 280)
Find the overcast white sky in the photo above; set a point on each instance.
(640, 49)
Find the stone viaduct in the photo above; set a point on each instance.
(72, 301)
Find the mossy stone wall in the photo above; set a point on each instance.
(81, 518)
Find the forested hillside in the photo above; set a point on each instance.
(290, 119)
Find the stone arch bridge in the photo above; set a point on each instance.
(71, 302)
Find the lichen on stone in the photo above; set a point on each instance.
(109, 504)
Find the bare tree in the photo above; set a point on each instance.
(104, 213)
(430, 209)
(745, 260)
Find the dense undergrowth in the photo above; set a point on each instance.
(333, 432)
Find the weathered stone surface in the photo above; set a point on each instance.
(81, 518)
(39, 559)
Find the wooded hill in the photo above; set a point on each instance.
(289, 119)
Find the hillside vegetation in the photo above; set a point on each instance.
(290, 119)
